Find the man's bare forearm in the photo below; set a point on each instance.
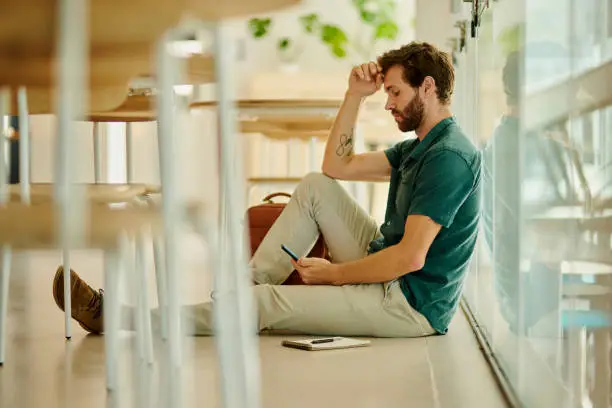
(340, 144)
(383, 266)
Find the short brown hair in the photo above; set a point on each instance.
(419, 60)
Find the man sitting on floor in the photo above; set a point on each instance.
(402, 280)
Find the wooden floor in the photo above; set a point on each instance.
(42, 369)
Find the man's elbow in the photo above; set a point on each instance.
(331, 171)
(411, 263)
(326, 170)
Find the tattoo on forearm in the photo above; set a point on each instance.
(345, 148)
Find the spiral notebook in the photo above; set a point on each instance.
(326, 343)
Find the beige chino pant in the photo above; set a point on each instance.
(320, 205)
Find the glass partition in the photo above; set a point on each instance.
(535, 92)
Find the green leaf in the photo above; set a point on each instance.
(387, 30)
(333, 35)
(259, 27)
(284, 43)
(338, 51)
(374, 12)
(309, 22)
(367, 16)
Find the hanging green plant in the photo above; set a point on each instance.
(259, 27)
(379, 15)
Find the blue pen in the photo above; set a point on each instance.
(290, 253)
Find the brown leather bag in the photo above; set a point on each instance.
(262, 216)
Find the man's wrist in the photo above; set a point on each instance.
(338, 274)
(353, 95)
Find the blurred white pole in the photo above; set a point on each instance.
(234, 311)
(72, 84)
(6, 249)
(97, 152)
(24, 145)
(129, 151)
(167, 151)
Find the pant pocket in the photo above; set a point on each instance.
(387, 287)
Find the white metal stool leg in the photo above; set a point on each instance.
(160, 264)
(172, 212)
(111, 299)
(97, 139)
(129, 151)
(131, 272)
(143, 309)
(24, 146)
(6, 250)
(67, 293)
(72, 51)
(234, 310)
(170, 200)
(114, 264)
(24, 181)
(4, 294)
(160, 277)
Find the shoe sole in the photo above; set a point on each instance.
(58, 288)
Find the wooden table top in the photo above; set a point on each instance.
(104, 98)
(140, 108)
(121, 34)
(275, 103)
(29, 27)
(251, 109)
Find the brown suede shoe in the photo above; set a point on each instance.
(86, 302)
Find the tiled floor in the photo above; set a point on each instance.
(43, 370)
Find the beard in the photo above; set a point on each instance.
(411, 116)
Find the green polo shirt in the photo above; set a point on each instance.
(438, 177)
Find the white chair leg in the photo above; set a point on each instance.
(171, 216)
(160, 279)
(6, 250)
(67, 294)
(114, 268)
(24, 146)
(4, 294)
(131, 272)
(144, 309)
(71, 51)
(97, 152)
(160, 276)
(129, 148)
(168, 71)
(234, 310)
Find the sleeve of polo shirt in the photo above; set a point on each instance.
(443, 184)
(394, 155)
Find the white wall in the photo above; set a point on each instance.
(434, 23)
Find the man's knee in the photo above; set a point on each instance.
(315, 178)
(316, 182)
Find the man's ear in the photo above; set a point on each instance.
(429, 86)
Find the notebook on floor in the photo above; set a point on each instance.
(325, 343)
